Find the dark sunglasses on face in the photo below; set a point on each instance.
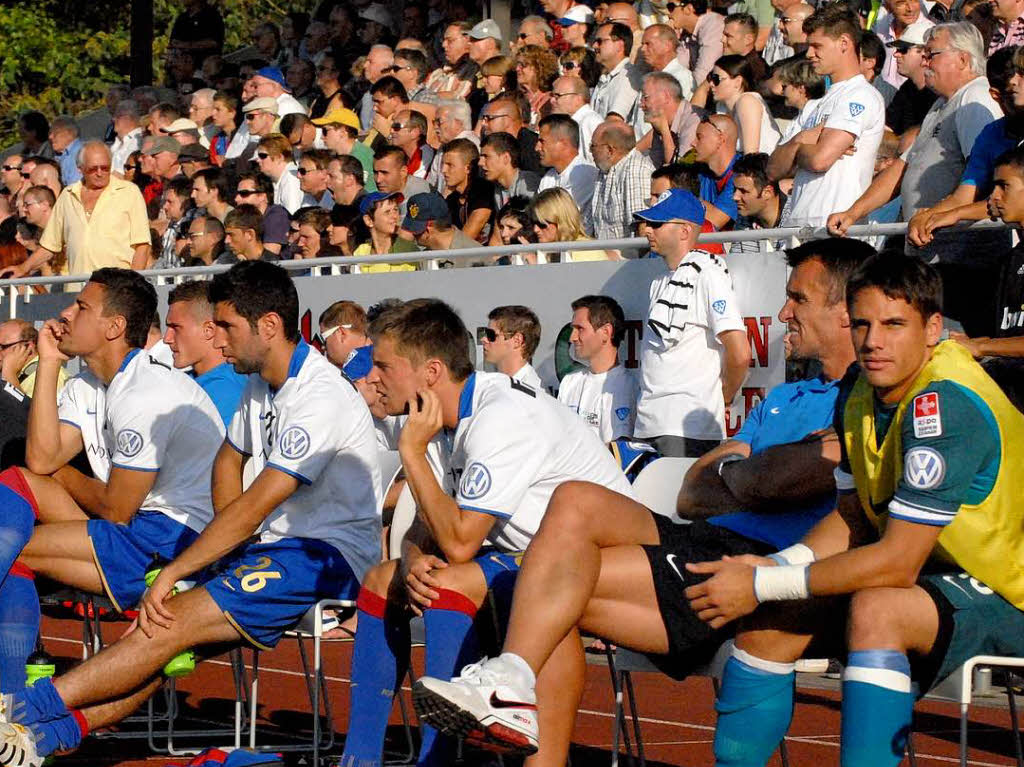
(246, 192)
(26, 175)
(714, 78)
(569, 65)
(262, 155)
(492, 335)
(12, 167)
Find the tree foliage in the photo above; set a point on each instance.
(60, 56)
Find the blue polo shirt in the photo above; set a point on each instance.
(224, 386)
(718, 190)
(789, 413)
(991, 142)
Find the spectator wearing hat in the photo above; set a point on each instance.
(914, 98)
(269, 82)
(694, 354)
(98, 221)
(243, 235)
(391, 174)
(341, 136)
(160, 164)
(193, 158)
(485, 41)
(260, 115)
(377, 24)
(184, 131)
(430, 222)
(256, 189)
(381, 216)
(576, 25)
(274, 158)
(904, 16)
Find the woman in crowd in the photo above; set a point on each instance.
(347, 228)
(536, 70)
(515, 227)
(380, 215)
(328, 94)
(733, 87)
(557, 219)
(581, 63)
(802, 87)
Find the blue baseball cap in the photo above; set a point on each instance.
(275, 74)
(425, 207)
(359, 365)
(367, 201)
(674, 205)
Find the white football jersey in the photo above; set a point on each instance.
(316, 428)
(606, 401)
(512, 447)
(150, 418)
(390, 429)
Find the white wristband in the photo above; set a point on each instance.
(731, 458)
(776, 584)
(797, 554)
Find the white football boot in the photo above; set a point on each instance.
(18, 747)
(486, 705)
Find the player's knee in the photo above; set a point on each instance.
(378, 578)
(571, 506)
(874, 619)
(467, 580)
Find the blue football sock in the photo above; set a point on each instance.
(19, 627)
(61, 734)
(38, 703)
(754, 707)
(17, 518)
(877, 708)
(379, 661)
(451, 644)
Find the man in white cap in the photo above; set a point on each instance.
(269, 82)
(260, 117)
(905, 16)
(377, 23)
(184, 131)
(485, 41)
(576, 25)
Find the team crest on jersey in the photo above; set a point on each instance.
(476, 481)
(719, 306)
(855, 108)
(622, 413)
(924, 468)
(294, 443)
(129, 443)
(927, 416)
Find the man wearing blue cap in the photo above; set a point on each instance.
(694, 354)
(430, 222)
(269, 82)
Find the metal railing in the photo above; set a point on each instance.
(429, 259)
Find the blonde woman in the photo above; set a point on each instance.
(557, 219)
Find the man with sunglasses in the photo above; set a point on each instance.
(342, 333)
(115, 233)
(10, 176)
(409, 131)
(571, 96)
(274, 158)
(256, 189)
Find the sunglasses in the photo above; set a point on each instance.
(12, 167)
(26, 175)
(672, 6)
(714, 78)
(492, 335)
(246, 192)
(655, 224)
(321, 338)
(97, 169)
(399, 126)
(262, 155)
(569, 65)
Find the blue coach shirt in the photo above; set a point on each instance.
(224, 386)
(789, 413)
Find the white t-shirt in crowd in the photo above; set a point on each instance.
(606, 401)
(529, 376)
(316, 428)
(287, 191)
(854, 106)
(150, 418)
(680, 360)
(512, 447)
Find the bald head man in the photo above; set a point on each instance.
(792, 25)
(613, 140)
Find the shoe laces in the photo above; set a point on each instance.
(482, 673)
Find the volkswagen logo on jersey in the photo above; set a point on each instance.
(129, 443)
(294, 443)
(476, 481)
(924, 468)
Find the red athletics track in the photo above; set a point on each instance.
(677, 718)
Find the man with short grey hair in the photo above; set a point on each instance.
(410, 68)
(571, 96)
(128, 134)
(658, 47)
(453, 119)
(672, 118)
(624, 184)
(64, 138)
(200, 111)
(533, 30)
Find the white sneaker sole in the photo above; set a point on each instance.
(452, 719)
(13, 753)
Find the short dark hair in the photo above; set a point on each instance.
(191, 291)
(262, 181)
(841, 256)
(35, 123)
(245, 217)
(745, 20)
(390, 150)
(390, 87)
(258, 288)
(755, 165)
(835, 20)
(680, 176)
(700, 7)
(416, 60)
(1000, 68)
(871, 47)
(1012, 157)
(292, 122)
(563, 126)
(503, 143)
(604, 310)
(351, 166)
(619, 31)
(182, 187)
(899, 276)
(130, 295)
(735, 65)
(216, 179)
(522, 320)
(427, 328)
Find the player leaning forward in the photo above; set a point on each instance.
(314, 505)
(927, 538)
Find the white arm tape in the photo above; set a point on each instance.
(797, 554)
(776, 584)
(844, 481)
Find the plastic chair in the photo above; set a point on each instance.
(657, 485)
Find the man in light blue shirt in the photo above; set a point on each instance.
(66, 145)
